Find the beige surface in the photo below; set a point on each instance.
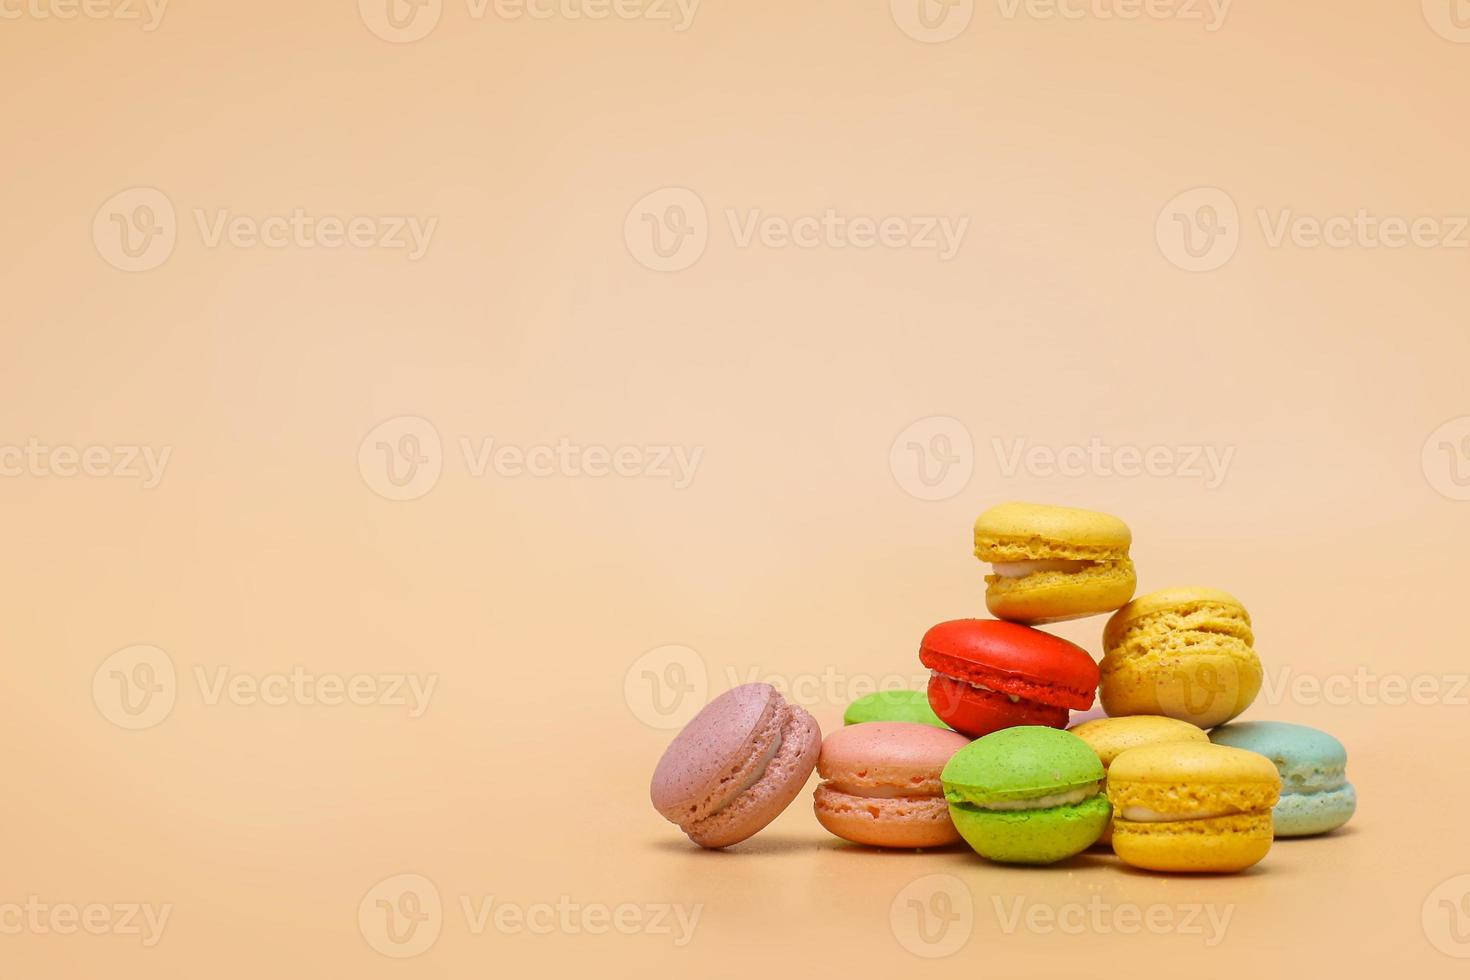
(801, 378)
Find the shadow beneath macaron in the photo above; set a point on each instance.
(760, 844)
(1336, 833)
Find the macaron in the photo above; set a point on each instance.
(1192, 806)
(736, 765)
(1315, 795)
(1110, 737)
(1027, 795)
(892, 706)
(988, 675)
(1184, 653)
(1053, 563)
(882, 785)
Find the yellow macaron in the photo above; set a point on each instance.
(1053, 563)
(1182, 653)
(1111, 737)
(1192, 807)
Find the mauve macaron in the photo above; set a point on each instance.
(882, 784)
(736, 765)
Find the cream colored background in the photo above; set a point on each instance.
(795, 553)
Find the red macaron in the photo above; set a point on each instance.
(990, 674)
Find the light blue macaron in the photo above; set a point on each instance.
(1315, 794)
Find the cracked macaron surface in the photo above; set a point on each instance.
(1185, 653)
(1051, 563)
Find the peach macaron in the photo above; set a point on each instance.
(881, 784)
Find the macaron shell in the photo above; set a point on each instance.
(889, 757)
(1018, 531)
(900, 822)
(1222, 844)
(978, 713)
(1012, 659)
(1309, 814)
(1308, 759)
(1315, 797)
(910, 706)
(1054, 597)
(715, 752)
(1182, 653)
(1020, 764)
(1032, 836)
(765, 799)
(1184, 602)
(1192, 763)
(1110, 737)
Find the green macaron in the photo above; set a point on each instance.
(1027, 795)
(912, 706)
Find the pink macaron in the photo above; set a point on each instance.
(882, 784)
(736, 765)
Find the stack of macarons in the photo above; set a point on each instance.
(985, 755)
